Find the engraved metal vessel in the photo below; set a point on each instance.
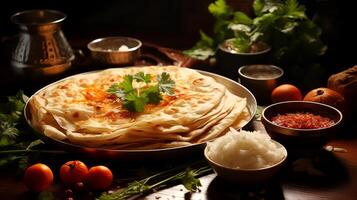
(41, 48)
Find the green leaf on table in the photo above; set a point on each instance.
(159, 180)
(9, 159)
(34, 143)
(46, 195)
(190, 182)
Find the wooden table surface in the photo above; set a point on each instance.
(336, 178)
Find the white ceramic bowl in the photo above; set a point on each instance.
(246, 176)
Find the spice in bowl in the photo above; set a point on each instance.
(302, 120)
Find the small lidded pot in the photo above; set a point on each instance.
(120, 51)
(260, 80)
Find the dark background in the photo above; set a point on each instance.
(176, 23)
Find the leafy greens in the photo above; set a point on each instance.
(283, 25)
(188, 178)
(135, 99)
(15, 140)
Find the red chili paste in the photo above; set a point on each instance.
(302, 120)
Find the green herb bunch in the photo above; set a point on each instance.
(135, 99)
(283, 25)
(17, 141)
(188, 177)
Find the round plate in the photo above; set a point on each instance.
(231, 85)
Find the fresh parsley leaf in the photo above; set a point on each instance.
(166, 84)
(135, 103)
(117, 91)
(141, 77)
(127, 84)
(135, 99)
(153, 94)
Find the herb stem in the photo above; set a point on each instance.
(19, 151)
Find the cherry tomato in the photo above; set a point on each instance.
(72, 172)
(38, 177)
(99, 177)
(286, 92)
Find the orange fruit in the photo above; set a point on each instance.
(73, 172)
(286, 92)
(99, 177)
(38, 177)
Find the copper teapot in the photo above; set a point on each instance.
(41, 48)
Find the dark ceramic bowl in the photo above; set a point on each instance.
(301, 138)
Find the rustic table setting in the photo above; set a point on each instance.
(328, 172)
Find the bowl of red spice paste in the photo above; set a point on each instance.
(297, 123)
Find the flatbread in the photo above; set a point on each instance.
(80, 110)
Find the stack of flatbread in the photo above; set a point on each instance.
(79, 110)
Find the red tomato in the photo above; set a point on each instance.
(38, 177)
(99, 177)
(286, 92)
(73, 172)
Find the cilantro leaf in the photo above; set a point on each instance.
(135, 99)
(141, 77)
(166, 84)
(153, 94)
(135, 103)
(117, 91)
(127, 83)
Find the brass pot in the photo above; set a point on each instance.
(41, 48)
